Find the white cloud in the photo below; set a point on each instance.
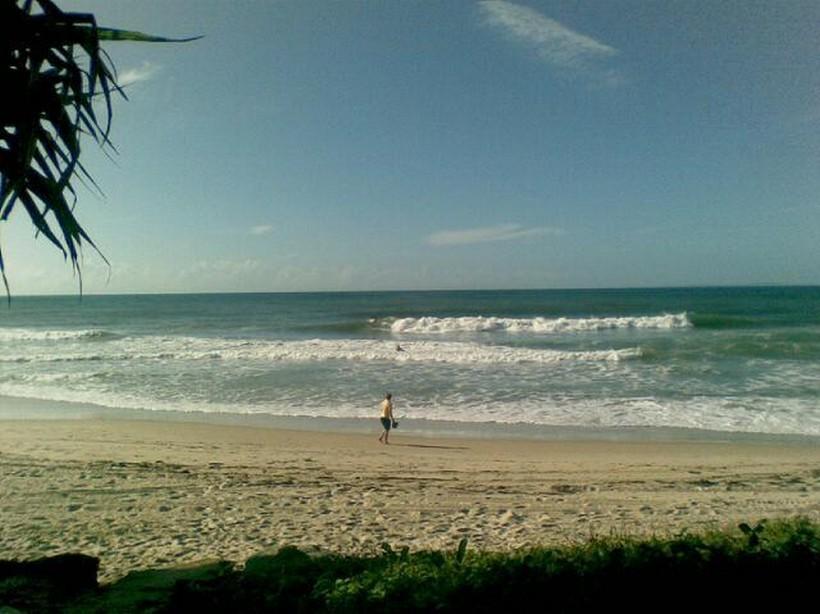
(554, 43)
(502, 232)
(262, 229)
(134, 75)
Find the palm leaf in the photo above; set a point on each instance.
(53, 74)
(109, 34)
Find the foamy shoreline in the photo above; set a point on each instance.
(142, 494)
(17, 408)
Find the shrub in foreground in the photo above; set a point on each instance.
(766, 567)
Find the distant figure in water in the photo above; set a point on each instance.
(399, 348)
(387, 417)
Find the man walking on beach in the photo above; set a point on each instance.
(387, 417)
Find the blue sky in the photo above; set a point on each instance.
(422, 145)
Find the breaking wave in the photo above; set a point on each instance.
(26, 334)
(357, 350)
(479, 324)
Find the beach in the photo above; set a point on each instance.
(149, 494)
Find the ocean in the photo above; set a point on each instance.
(727, 360)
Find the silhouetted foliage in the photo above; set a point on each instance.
(53, 73)
(711, 572)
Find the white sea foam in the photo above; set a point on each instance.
(444, 352)
(477, 324)
(753, 415)
(357, 350)
(27, 334)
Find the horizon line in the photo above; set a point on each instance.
(437, 290)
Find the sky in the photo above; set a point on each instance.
(387, 145)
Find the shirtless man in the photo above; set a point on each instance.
(387, 417)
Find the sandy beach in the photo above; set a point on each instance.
(141, 494)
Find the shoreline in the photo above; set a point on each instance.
(143, 494)
(24, 408)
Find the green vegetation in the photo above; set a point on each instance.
(52, 73)
(772, 566)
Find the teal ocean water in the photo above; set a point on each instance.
(720, 359)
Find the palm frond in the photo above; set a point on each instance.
(53, 74)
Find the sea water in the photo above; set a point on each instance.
(718, 359)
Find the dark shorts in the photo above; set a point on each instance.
(386, 423)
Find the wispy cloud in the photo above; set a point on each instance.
(502, 232)
(262, 229)
(134, 75)
(553, 42)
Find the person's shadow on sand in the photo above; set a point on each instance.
(425, 445)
